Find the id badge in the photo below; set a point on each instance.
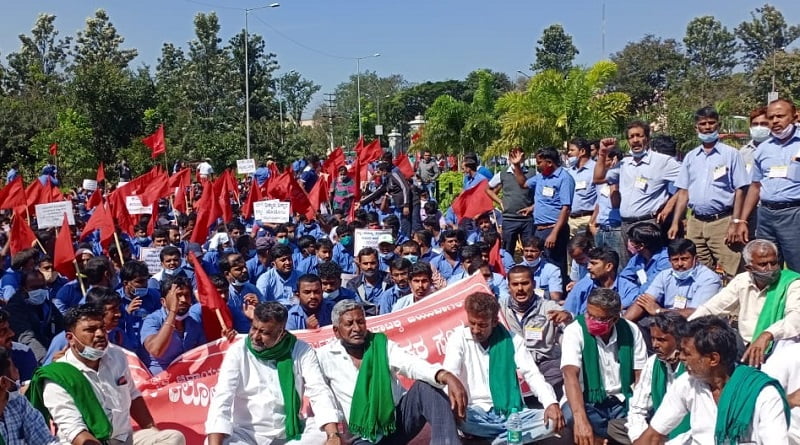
(548, 192)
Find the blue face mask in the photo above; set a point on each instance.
(708, 138)
(533, 263)
(682, 274)
(142, 239)
(173, 271)
(346, 240)
(139, 292)
(638, 155)
(386, 257)
(283, 241)
(37, 296)
(412, 258)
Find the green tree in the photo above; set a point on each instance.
(556, 108)
(501, 84)
(786, 72)
(39, 64)
(261, 65)
(648, 68)
(296, 92)
(764, 35)
(711, 52)
(554, 50)
(99, 42)
(372, 87)
(73, 133)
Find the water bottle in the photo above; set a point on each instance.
(514, 427)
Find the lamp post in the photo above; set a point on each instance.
(358, 89)
(247, 70)
(524, 74)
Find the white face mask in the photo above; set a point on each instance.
(759, 133)
(331, 295)
(90, 353)
(179, 317)
(785, 133)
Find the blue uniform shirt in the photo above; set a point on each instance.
(236, 302)
(344, 258)
(691, 292)
(446, 270)
(645, 185)
(585, 189)
(192, 337)
(579, 295)
(642, 274)
(550, 194)
(777, 171)
(606, 215)
(712, 178)
(297, 315)
(68, 296)
(273, 286)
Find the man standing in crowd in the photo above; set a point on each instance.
(395, 186)
(581, 167)
(428, 172)
(517, 205)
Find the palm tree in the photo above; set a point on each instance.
(555, 108)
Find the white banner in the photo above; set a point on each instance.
(52, 215)
(272, 211)
(150, 256)
(135, 207)
(368, 238)
(89, 184)
(246, 166)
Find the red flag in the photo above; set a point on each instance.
(33, 192)
(253, 196)
(208, 210)
(101, 173)
(211, 303)
(299, 199)
(13, 194)
(473, 202)
(334, 161)
(402, 163)
(319, 194)
(415, 137)
(495, 260)
(157, 189)
(95, 200)
(278, 187)
(179, 182)
(64, 252)
(54, 149)
(371, 152)
(156, 142)
(22, 237)
(101, 219)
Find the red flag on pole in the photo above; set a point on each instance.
(334, 161)
(101, 173)
(253, 196)
(214, 309)
(95, 200)
(402, 163)
(22, 237)
(473, 202)
(64, 251)
(101, 219)
(54, 149)
(156, 142)
(13, 194)
(495, 260)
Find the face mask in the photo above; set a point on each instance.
(172, 271)
(412, 258)
(547, 171)
(346, 240)
(533, 263)
(141, 239)
(283, 241)
(404, 290)
(785, 133)
(179, 317)
(598, 328)
(90, 353)
(14, 386)
(572, 160)
(708, 138)
(331, 295)
(370, 273)
(638, 155)
(139, 292)
(386, 257)
(767, 277)
(759, 133)
(50, 276)
(682, 274)
(37, 296)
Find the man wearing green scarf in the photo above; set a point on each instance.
(487, 357)
(601, 358)
(766, 300)
(262, 381)
(89, 393)
(727, 403)
(361, 368)
(660, 371)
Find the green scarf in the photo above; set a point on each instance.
(594, 390)
(775, 304)
(78, 387)
(737, 403)
(658, 388)
(282, 354)
(372, 411)
(503, 383)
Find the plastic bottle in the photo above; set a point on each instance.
(514, 427)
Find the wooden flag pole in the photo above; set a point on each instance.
(221, 320)
(80, 278)
(119, 248)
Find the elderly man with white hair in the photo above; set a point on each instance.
(766, 299)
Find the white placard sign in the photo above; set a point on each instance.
(368, 238)
(89, 184)
(52, 215)
(246, 166)
(272, 211)
(135, 207)
(150, 256)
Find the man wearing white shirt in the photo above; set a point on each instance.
(766, 299)
(361, 368)
(726, 402)
(90, 393)
(262, 382)
(487, 357)
(205, 169)
(601, 358)
(784, 366)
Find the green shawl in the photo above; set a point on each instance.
(372, 411)
(594, 390)
(658, 388)
(281, 353)
(78, 387)
(503, 383)
(775, 304)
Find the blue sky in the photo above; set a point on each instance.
(420, 39)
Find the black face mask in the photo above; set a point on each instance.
(767, 277)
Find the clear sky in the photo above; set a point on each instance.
(420, 39)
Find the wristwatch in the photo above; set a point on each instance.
(659, 310)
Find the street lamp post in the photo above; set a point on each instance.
(524, 74)
(247, 70)
(358, 90)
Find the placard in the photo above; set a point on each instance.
(135, 207)
(368, 238)
(89, 184)
(246, 166)
(52, 215)
(272, 211)
(150, 256)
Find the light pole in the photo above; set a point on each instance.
(524, 74)
(247, 71)
(358, 89)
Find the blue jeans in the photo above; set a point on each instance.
(599, 414)
(492, 425)
(780, 227)
(611, 238)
